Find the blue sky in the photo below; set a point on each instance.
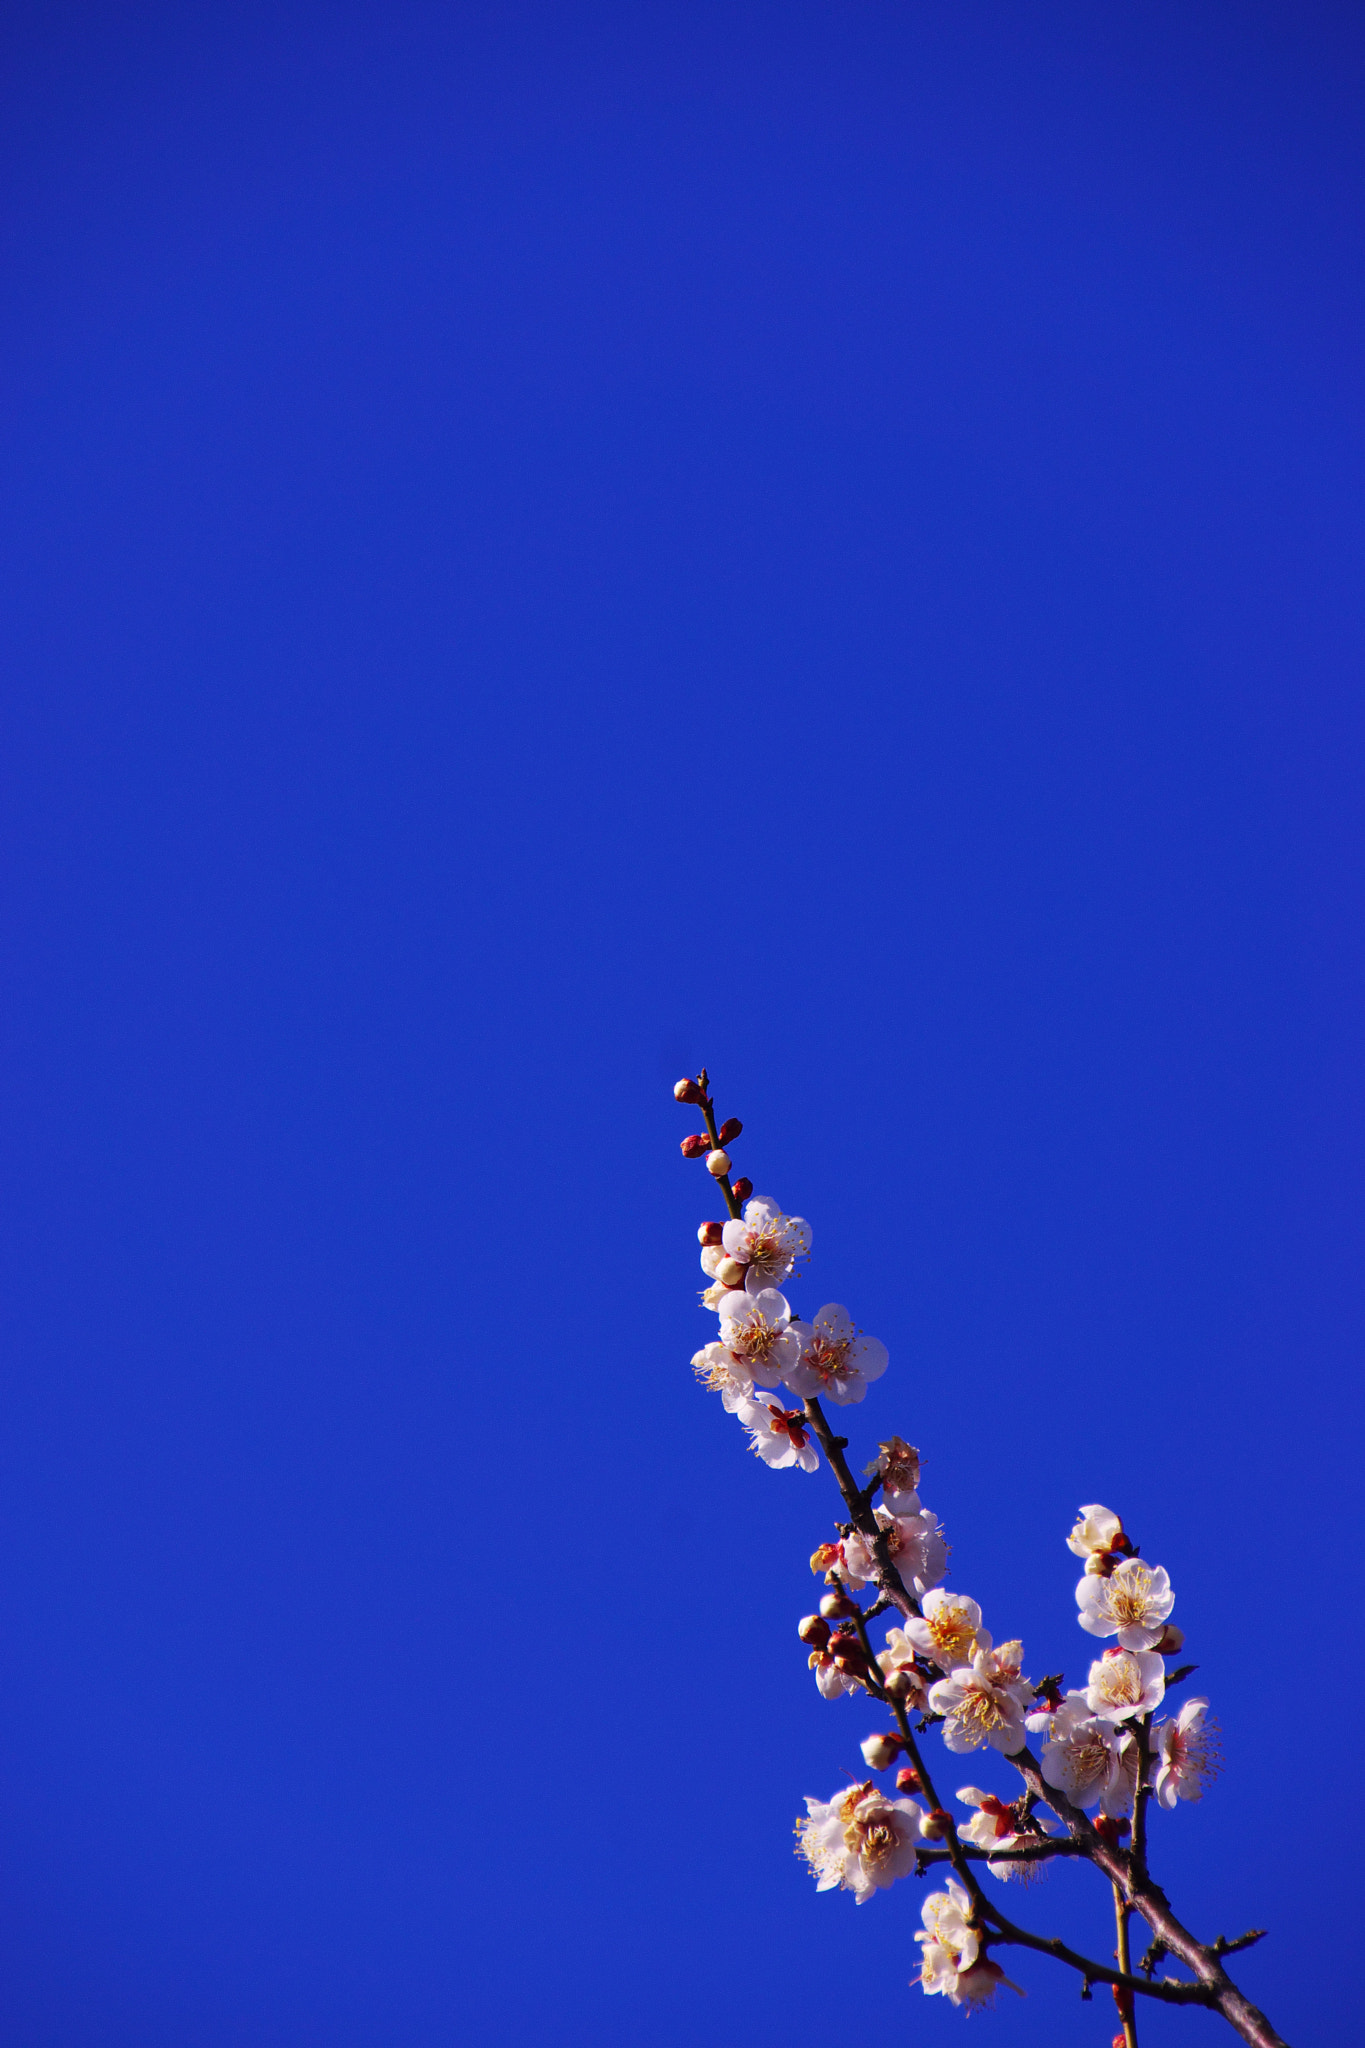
(544, 546)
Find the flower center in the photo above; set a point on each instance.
(828, 1357)
(980, 1709)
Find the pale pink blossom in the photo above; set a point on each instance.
(770, 1244)
(1097, 1531)
(757, 1329)
(714, 1295)
(719, 1373)
(982, 1703)
(860, 1840)
(1132, 1603)
(916, 1546)
(949, 1632)
(778, 1435)
(1124, 1683)
(837, 1361)
(1186, 1751)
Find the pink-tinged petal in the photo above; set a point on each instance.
(734, 1239)
(872, 1359)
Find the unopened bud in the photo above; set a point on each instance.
(824, 1555)
(712, 1256)
(718, 1163)
(936, 1825)
(812, 1628)
(1110, 1830)
(693, 1147)
(837, 1606)
(731, 1272)
(742, 1188)
(880, 1751)
(1170, 1640)
(710, 1233)
(687, 1091)
(848, 1657)
(903, 1684)
(908, 1780)
(729, 1130)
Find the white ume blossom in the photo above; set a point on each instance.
(767, 1242)
(1132, 1604)
(1097, 1531)
(711, 1256)
(951, 1959)
(837, 1361)
(916, 1546)
(898, 1464)
(899, 1655)
(778, 1435)
(1092, 1761)
(1124, 1683)
(720, 1373)
(1186, 1754)
(860, 1839)
(949, 1633)
(995, 1827)
(984, 1701)
(756, 1329)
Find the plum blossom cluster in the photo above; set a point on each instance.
(1093, 1761)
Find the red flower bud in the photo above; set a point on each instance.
(742, 1189)
(908, 1780)
(731, 1128)
(694, 1147)
(710, 1233)
(813, 1630)
(687, 1091)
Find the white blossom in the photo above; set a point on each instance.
(829, 1678)
(860, 1840)
(897, 1463)
(950, 1631)
(899, 1655)
(778, 1435)
(719, 1373)
(951, 1959)
(711, 1256)
(836, 1360)
(982, 1703)
(767, 1242)
(1132, 1603)
(916, 1546)
(1080, 1756)
(1124, 1683)
(1186, 1750)
(714, 1295)
(1098, 1530)
(757, 1329)
(995, 1827)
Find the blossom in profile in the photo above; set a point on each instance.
(897, 1463)
(1132, 1603)
(916, 1547)
(995, 1827)
(719, 1373)
(1186, 1752)
(982, 1704)
(950, 1946)
(756, 1329)
(831, 1676)
(860, 1840)
(899, 1658)
(767, 1242)
(949, 1632)
(1097, 1531)
(837, 1361)
(1124, 1683)
(778, 1435)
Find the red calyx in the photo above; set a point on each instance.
(731, 1128)
(741, 1189)
(695, 1147)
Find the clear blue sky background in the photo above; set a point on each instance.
(545, 545)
